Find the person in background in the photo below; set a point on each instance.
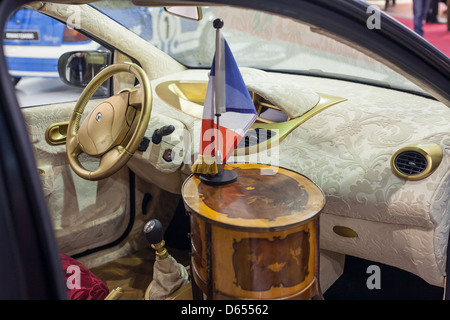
(420, 9)
(433, 11)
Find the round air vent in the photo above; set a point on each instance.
(417, 161)
(411, 162)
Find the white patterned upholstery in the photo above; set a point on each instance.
(346, 150)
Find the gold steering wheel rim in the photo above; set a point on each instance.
(114, 129)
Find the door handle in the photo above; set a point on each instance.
(56, 133)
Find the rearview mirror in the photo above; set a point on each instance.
(77, 68)
(192, 13)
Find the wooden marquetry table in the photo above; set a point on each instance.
(256, 237)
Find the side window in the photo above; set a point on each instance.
(48, 61)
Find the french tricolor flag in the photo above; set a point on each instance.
(228, 107)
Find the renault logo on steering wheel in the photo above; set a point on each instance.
(98, 117)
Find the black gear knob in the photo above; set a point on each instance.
(153, 232)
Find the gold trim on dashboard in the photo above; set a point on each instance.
(188, 97)
(431, 151)
(282, 129)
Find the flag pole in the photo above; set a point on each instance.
(223, 176)
(219, 88)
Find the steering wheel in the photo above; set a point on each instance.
(113, 130)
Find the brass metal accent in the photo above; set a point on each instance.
(284, 128)
(189, 96)
(115, 294)
(184, 293)
(186, 96)
(345, 232)
(161, 251)
(259, 103)
(56, 133)
(191, 91)
(431, 151)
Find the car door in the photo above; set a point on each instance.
(85, 215)
(30, 268)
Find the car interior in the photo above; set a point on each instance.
(116, 150)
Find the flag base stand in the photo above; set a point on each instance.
(223, 177)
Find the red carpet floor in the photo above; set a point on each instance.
(437, 34)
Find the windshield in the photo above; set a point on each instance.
(257, 40)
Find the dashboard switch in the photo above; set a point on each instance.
(161, 132)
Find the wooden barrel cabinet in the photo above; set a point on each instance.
(257, 237)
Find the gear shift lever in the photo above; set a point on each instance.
(153, 231)
(168, 274)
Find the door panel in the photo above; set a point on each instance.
(85, 214)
